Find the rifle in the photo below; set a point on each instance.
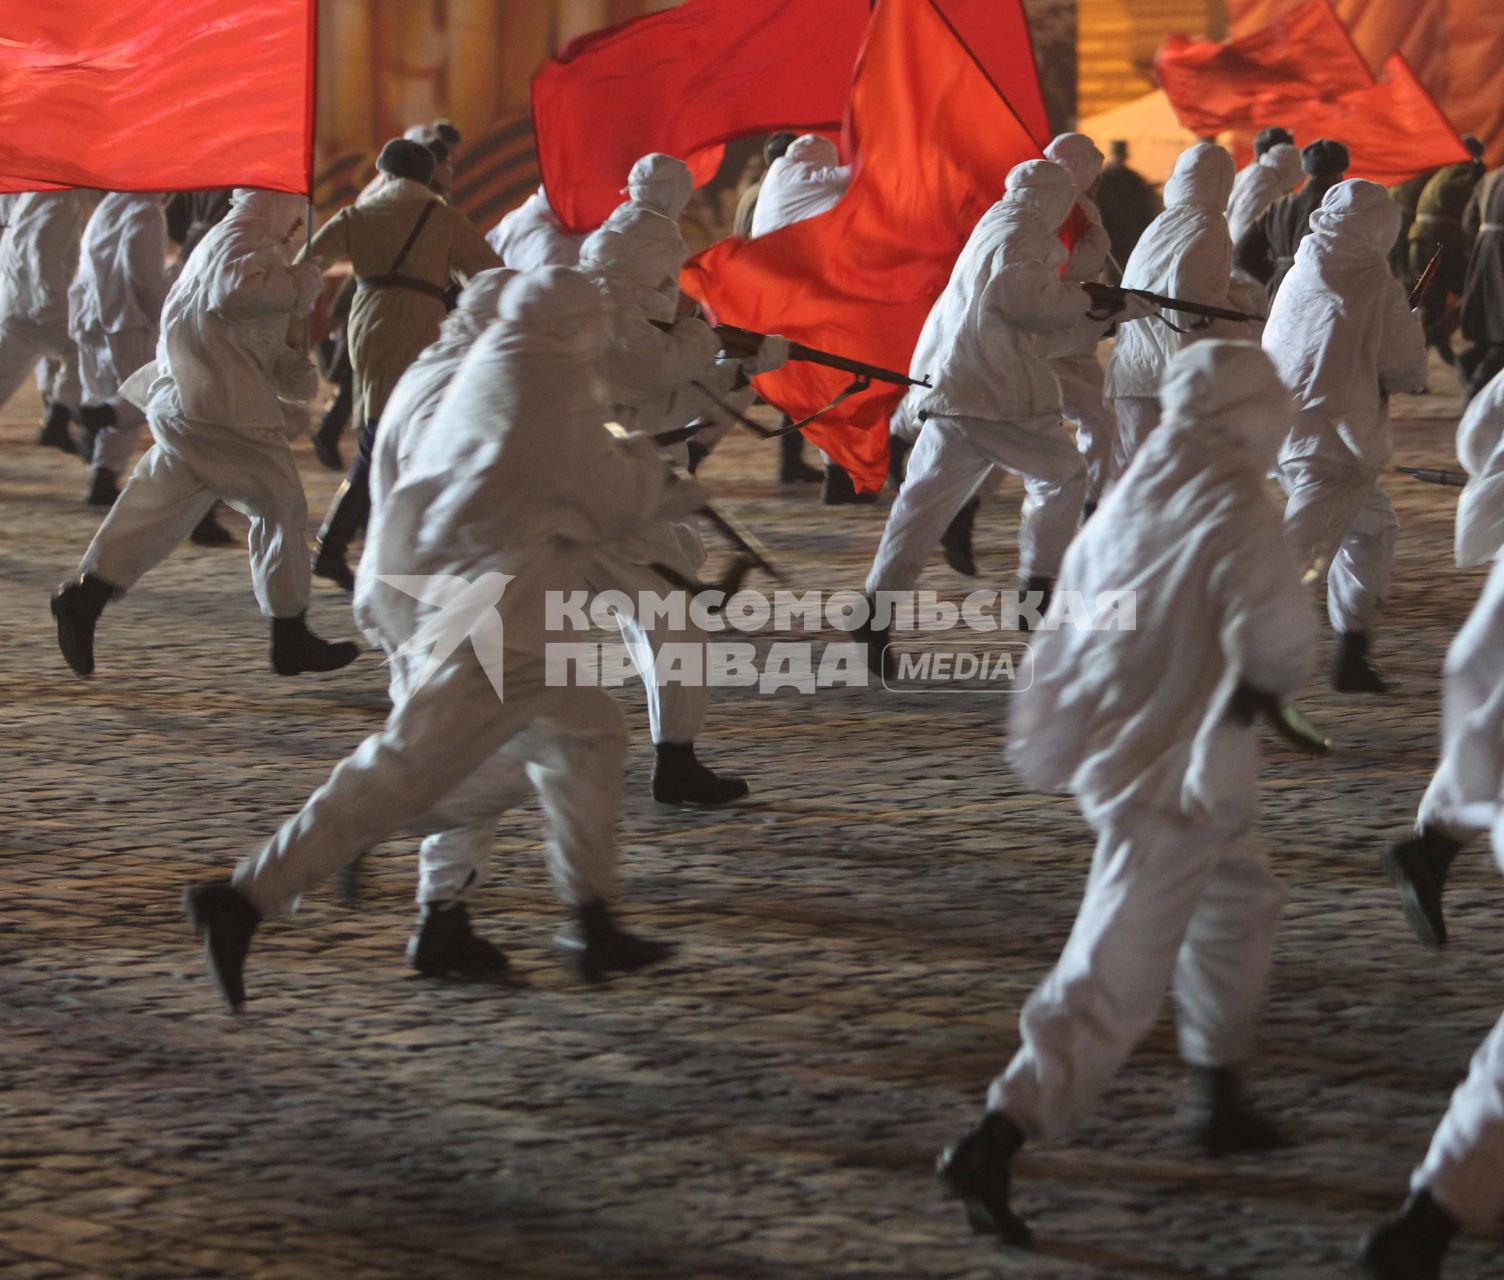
(743, 342)
(1425, 280)
(1248, 704)
(1452, 479)
(1110, 297)
(750, 551)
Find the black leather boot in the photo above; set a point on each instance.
(1417, 867)
(92, 419)
(332, 426)
(978, 1171)
(347, 517)
(103, 489)
(208, 532)
(445, 945)
(874, 641)
(600, 946)
(956, 540)
(898, 460)
(76, 606)
(225, 919)
(295, 649)
(792, 468)
(54, 433)
(680, 779)
(1410, 1245)
(1044, 588)
(1353, 672)
(1222, 1121)
(839, 490)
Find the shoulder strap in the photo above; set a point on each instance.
(412, 236)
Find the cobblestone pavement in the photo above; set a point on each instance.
(855, 946)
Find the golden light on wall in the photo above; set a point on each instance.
(386, 64)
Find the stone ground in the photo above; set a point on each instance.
(854, 948)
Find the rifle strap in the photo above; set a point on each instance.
(858, 385)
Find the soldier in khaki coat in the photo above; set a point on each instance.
(406, 245)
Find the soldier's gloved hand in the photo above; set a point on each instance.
(772, 353)
(1135, 308)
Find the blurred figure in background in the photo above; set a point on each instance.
(1438, 230)
(38, 259)
(746, 207)
(1483, 286)
(1127, 202)
(115, 306)
(1266, 251)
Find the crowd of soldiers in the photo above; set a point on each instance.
(1257, 321)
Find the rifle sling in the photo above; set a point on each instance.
(394, 279)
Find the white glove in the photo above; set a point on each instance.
(1136, 308)
(772, 353)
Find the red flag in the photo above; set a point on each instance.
(1393, 130)
(157, 95)
(999, 38)
(934, 139)
(1303, 71)
(1305, 54)
(683, 82)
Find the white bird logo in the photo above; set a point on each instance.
(465, 610)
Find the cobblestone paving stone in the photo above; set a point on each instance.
(855, 945)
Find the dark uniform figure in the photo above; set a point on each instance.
(1266, 251)
(1127, 203)
(1438, 229)
(1483, 291)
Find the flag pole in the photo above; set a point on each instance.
(313, 116)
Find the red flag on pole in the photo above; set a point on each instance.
(157, 95)
(683, 82)
(934, 138)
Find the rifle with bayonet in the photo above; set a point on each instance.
(1110, 298)
(1452, 479)
(1425, 280)
(744, 342)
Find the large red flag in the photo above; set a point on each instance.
(683, 82)
(156, 95)
(1455, 47)
(934, 139)
(1393, 130)
(1305, 53)
(1304, 72)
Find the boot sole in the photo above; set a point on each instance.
(671, 803)
(1421, 925)
(984, 1220)
(79, 662)
(231, 986)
